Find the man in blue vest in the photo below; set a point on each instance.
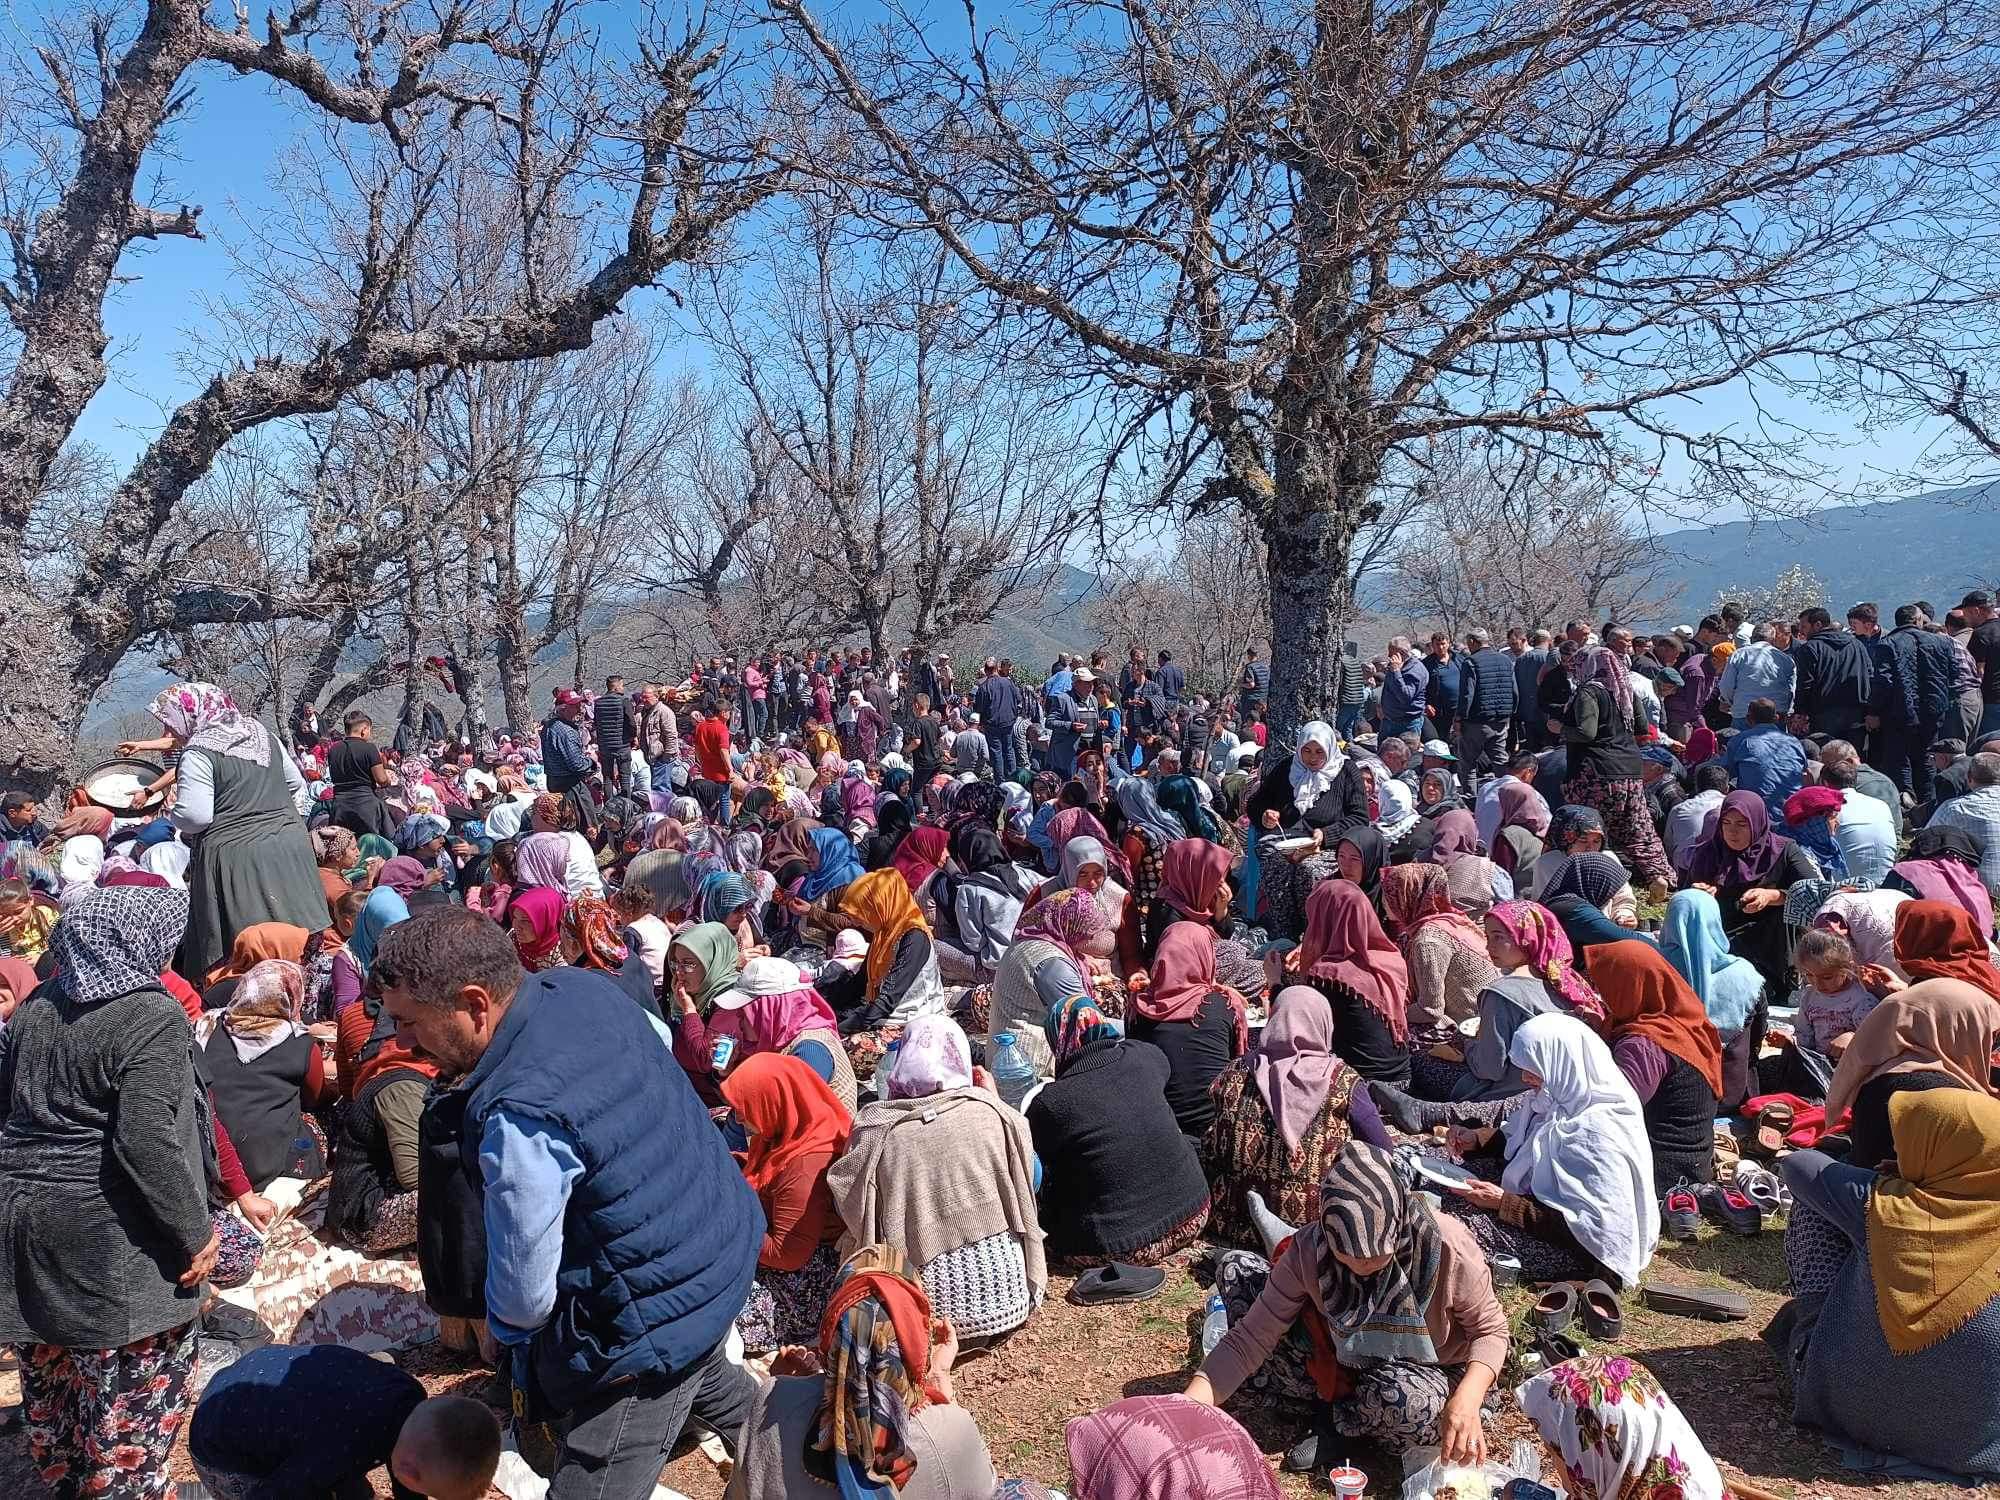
(621, 1238)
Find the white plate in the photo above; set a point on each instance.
(1446, 1173)
(1287, 846)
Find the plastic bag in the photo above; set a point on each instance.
(1426, 1476)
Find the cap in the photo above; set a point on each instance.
(1947, 747)
(1438, 750)
(1976, 599)
(761, 976)
(566, 696)
(1083, 674)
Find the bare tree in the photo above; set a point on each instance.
(1796, 588)
(640, 158)
(1205, 601)
(1299, 240)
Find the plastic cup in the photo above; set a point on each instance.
(1349, 1483)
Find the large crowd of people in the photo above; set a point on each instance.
(734, 1056)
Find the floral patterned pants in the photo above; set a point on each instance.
(101, 1421)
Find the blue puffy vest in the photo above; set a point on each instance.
(661, 1235)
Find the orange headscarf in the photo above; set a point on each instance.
(789, 1111)
(254, 944)
(881, 904)
(1939, 940)
(1644, 995)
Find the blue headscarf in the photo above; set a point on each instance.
(384, 910)
(419, 829)
(1695, 944)
(838, 864)
(721, 893)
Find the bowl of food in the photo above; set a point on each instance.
(114, 784)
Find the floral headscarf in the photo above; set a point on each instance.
(203, 717)
(1073, 1024)
(1618, 1434)
(1418, 896)
(592, 931)
(265, 1009)
(118, 940)
(1573, 822)
(1068, 918)
(1533, 929)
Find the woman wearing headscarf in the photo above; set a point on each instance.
(939, 1166)
(877, 1419)
(1575, 1199)
(1146, 831)
(553, 820)
(893, 825)
(1943, 865)
(1437, 793)
(770, 1005)
(1730, 988)
(592, 938)
(1617, 1433)
(986, 898)
(1748, 869)
(238, 800)
(1605, 772)
(1937, 940)
(1282, 1115)
(77, 845)
(1120, 1182)
(105, 1156)
(1937, 1034)
(1086, 864)
(1163, 1448)
(253, 945)
(1668, 1049)
(1049, 963)
(1200, 1024)
(422, 836)
(1812, 813)
(338, 854)
(263, 1069)
(1599, 880)
(1867, 919)
(1572, 830)
(902, 980)
(1519, 840)
(1349, 959)
(1316, 793)
(797, 1127)
(1909, 1303)
(372, 1202)
(833, 866)
(1403, 1337)
(1446, 957)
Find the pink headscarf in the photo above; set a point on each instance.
(1184, 976)
(1294, 1066)
(1344, 942)
(1068, 918)
(933, 1059)
(1080, 822)
(542, 859)
(1165, 1448)
(1456, 835)
(1948, 880)
(1192, 873)
(1535, 931)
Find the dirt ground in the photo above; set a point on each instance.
(1070, 1360)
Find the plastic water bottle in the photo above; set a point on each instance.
(1214, 1324)
(1012, 1071)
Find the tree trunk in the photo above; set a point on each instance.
(47, 693)
(1308, 533)
(514, 665)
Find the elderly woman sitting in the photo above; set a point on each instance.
(942, 1168)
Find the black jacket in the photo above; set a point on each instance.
(1491, 687)
(1342, 807)
(1916, 687)
(1836, 680)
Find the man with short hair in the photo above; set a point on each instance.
(1486, 708)
(714, 771)
(1914, 694)
(358, 775)
(1762, 669)
(1978, 813)
(1522, 768)
(1836, 678)
(1404, 687)
(1983, 645)
(621, 1238)
(617, 728)
(659, 735)
(1766, 760)
(926, 744)
(1173, 682)
(1253, 684)
(1708, 784)
(20, 821)
(1444, 683)
(1526, 732)
(1869, 826)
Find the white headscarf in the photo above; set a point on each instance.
(1399, 813)
(1308, 785)
(1635, 1442)
(82, 857)
(1579, 1144)
(169, 860)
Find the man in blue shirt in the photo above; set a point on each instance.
(1404, 685)
(1766, 760)
(621, 1239)
(565, 759)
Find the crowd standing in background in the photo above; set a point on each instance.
(732, 1056)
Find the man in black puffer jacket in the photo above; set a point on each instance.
(1912, 697)
(1836, 679)
(1486, 708)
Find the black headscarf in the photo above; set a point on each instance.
(1369, 844)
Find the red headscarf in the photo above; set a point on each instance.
(1184, 976)
(1418, 896)
(1192, 872)
(1344, 941)
(919, 855)
(790, 1113)
(1938, 940)
(538, 935)
(1644, 995)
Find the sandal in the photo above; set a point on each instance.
(1773, 1125)
(1555, 1309)
(1602, 1317)
(1702, 1302)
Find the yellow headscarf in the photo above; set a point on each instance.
(1934, 1231)
(881, 905)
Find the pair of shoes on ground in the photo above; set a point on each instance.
(1728, 1205)
(1594, 1301)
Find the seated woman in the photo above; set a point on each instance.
(1867, 919)
(1359, 857)
(1348, 958)
(1317, 793)
(1936, 1034)
(1943, 865)
(1084, 864)
(1668, 1049)
(1519, 838)
(1162, 1448)
(876, 1416)
(1598, 879)
(1730, 988)
(593, 938)
(265, 1070)
(770, 1006)
(797, 1128)
(1199, 1023)
(1575, 829)
(1194, 887)
(1903, 1297)
(940, 1167)
(1446, 955)
(1748, 869)
(562, 856)
(1577, 1405)
(372, 1202)
(1119, 1180)
(1476, 882)
(1049, 963)
(1402, 1337)
(1281, 1115)
(347, 973)
(902, 973)
(1575, 1200)
(986, 898)
(255, 944)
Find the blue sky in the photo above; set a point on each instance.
(226, 151)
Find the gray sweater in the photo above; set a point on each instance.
(103, 1171)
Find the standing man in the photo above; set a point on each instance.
(1253, 684)
(621, 1238)
(1917, 692)
(359, 775)
(1486, 709)
(1836, 678)
(659, 737)
(1762, 669)
(926, 744)
(565, 759)
(998, 704)
(617, 730)
(1446, 685)
(1526, 732)
(1983, 645)
(711, 756)
(1172, 681)
(756, 697)
(1403, 689)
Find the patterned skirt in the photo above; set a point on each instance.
(1283, 888)
(101, 1421)
(784, 1307)
(1628, 826)
(1170, 1243)
(1540, 1260)
(982, 1287)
